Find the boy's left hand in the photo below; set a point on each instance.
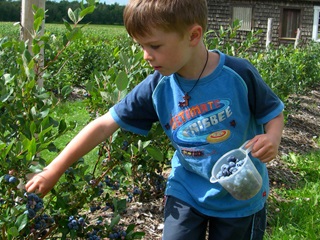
(265, 147)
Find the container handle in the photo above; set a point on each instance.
(247, 150)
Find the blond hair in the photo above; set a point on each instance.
(141, 16)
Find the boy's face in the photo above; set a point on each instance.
(166, 52)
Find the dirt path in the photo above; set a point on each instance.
(301, 134)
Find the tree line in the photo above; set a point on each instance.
(10, 11)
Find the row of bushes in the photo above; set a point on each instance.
(286, 69)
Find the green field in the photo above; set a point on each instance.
(10, 29)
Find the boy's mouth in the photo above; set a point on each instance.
(156, 67)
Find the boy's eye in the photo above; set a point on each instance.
(154, 46)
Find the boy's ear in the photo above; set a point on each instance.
(195, 34)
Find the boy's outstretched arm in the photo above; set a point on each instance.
(88, 138)
(266, 146)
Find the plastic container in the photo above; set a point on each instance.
(243, 184)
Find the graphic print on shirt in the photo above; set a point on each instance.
(200, 125)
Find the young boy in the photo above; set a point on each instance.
(208, 103)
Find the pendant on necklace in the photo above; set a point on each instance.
(185, 103)
(186, 96)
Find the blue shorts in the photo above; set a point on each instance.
(181, 222)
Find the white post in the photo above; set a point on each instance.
(315, 29)
(297, 38)
(269, 33)
(27, 19)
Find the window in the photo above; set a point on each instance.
(244, 14)
(316, 24)
(290, 22)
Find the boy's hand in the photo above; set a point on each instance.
(42, 182)
(265, 147)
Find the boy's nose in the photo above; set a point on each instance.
(147, 56)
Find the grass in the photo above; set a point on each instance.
(70, 111)
(296, 211)
(8, 30)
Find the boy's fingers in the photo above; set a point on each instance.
(251, 143)
(34, 188)
(29, 187)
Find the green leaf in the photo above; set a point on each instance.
(6, 44)
(32, 147)
(6, 96)
(128, 168)
(130, 228)
(66, 90)
(120, 205)
(45, 38)
(77, 15)
(155, 153)
(134, 149)
(7, 78)
(22, 221)
(44, 96)
(137, 59)
(39, 13)
(67, 25)
(31, 84)
(65, 39)
(71, 15)
(13, 231)
(27, 56)
(43, 133)
(44, 113)
(145, 144)
(37, 24)
(36, 49)
(124, 59)
(2, 146)
(52, 147)
(122, 81)
(33, 112)
(115, 221)
(32, 128)
(105, 95)
(8, 148)
(36, 168)
(62, 126)
(74, 34)
(86, 11)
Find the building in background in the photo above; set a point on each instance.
(287, 17)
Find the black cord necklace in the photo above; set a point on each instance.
(186, 96)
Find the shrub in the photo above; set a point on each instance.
(26, 130)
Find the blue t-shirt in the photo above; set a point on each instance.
(226, 108)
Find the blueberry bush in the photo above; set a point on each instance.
(28, 129)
